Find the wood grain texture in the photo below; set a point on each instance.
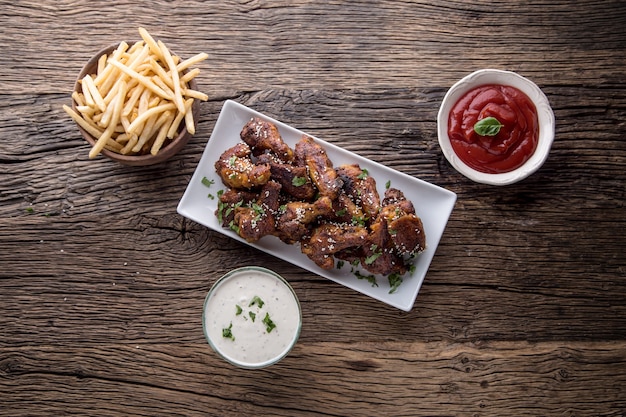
(523, 310)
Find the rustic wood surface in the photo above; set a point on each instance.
(522, 313)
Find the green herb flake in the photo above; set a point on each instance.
(298, 181)
(228, 332)
(269, 324)
(489, 126)
(252, 316)
(358, 220)
(340, 264)
(369, 278)
(364, 173)
(232, 160)
(394, 282)
(30, 210)
(258, 209)
(341, 212)
(239, 310)
(387, 185)
(370, 259)
(256, 300)
(207, 182)
(232, 226)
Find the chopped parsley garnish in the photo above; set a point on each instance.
(259, 210)
(256, 300)
(298, 181)
(358, 220)
(207, 182)
(369, 278)
(394, 282)
(370, 259)
(228, 332)
(233, 226)
(269, 324)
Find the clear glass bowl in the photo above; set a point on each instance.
(239, 312)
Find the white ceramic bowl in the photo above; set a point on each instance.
(544, 113)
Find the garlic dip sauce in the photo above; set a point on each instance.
(252, 317)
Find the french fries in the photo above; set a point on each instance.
(138, 97)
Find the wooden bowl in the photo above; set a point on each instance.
(168, 150)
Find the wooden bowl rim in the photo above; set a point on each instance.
(169, 150)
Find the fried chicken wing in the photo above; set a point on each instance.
(229, 201)
(293, 224)
(313, 156)
(237, 170)
(263, 136)
(378, 254)
(405, 227)
(258, 219)
(328, 239)
(361, 187)
(294, 179)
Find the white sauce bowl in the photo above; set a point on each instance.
(252, 317)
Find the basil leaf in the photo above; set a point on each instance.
(489, 126)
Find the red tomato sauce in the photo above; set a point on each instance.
(515, 142)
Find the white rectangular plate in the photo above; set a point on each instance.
(432, 203)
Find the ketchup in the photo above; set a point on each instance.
(511, 146)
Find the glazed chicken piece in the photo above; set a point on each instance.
(329, 239)
(378, 254)
(264, 136)
(258, 218)
(346, 211)
(294, 179)
(311, 155)
(405, 227)
(294, 223)
(395, 235)
(361, 188)
(237, 170)
(229, 201)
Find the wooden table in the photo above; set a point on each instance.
(523, 310)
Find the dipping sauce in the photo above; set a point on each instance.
(252, 317)
(516, 140)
